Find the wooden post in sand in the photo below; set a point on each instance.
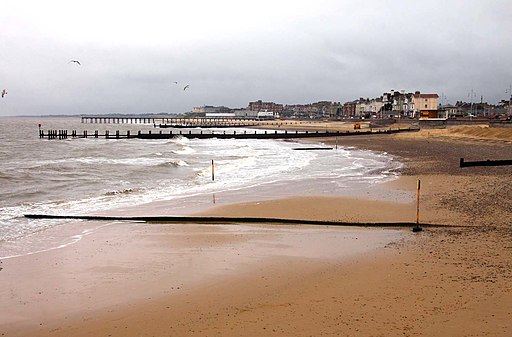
(213, 171)
(417, 228)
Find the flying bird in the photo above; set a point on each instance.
(75, 61)
(186, 87)
(4, 92)
(175, 82)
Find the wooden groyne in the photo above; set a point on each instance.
(200, 134)
(464, 163)
(228, 220)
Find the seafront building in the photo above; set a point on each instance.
(425, 105)
(252, 112)
(392, 104)
(265, 106)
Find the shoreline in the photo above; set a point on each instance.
(444, 281)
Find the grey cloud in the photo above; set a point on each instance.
(350, 50)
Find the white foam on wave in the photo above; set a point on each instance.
(244, 169)
(184, 150)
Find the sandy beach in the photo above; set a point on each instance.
(259, 280)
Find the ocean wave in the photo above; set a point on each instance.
(179, 140)
(174, 163)
(184, 150)
(94, 161)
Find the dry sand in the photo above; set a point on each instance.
(448, 281)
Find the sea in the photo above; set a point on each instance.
(92, 176)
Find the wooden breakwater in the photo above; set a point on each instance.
(488, 162)
(199, 134)
(230, 220)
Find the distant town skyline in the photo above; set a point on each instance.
(124, 56)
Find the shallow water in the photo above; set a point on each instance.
(80, 176)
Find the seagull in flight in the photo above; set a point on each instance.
(4, 92)
(75, 61)
(175, 82)
(186, 87)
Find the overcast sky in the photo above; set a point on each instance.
(231, 52)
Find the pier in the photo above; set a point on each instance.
(118, 120)
(201, 134)
(175, 122)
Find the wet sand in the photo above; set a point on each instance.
(125, 267)
(453, 281)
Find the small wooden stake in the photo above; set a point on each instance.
(213, 171)
(418, 228)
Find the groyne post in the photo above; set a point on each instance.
(417, 228)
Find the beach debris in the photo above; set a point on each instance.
(75, 61)
(4, 92)
(186, 87)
